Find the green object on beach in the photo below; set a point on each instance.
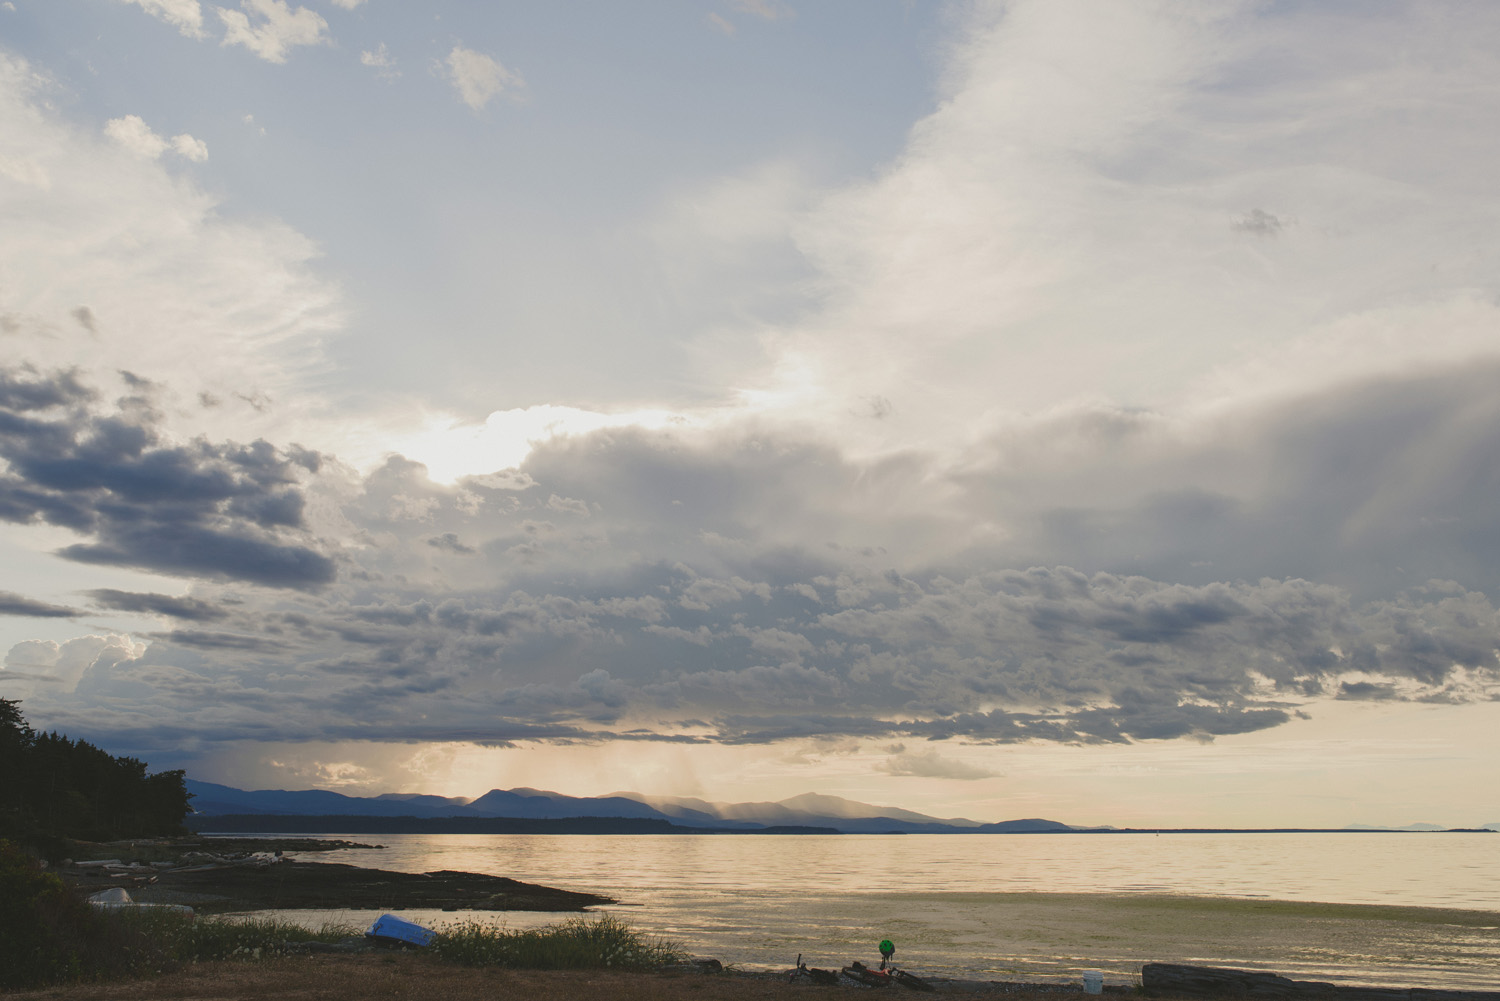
(887, 948)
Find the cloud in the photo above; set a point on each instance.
(1249, 492)
(201, 509)
(15, 604)
(132, 133)
(189, 148)
(449, 542)
(1364, 690)
(1259, 222)
(1132, 208)
(194, 298)
(767, 10)
(748, 588)
(61, 668)
(568, 505)
(479, 78)
(185, 15)
(380, 60)
(731, 241)
(272, 28)
(190, 609)
(23, 388)
(930, 764)
(198, 639)
(770, 10)
(347, 4)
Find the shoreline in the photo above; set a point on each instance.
(1026, 936)
(415, 977)
(248, 874)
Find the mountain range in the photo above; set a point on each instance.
(807, 810)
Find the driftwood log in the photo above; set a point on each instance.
(1211, 981)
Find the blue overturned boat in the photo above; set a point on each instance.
(393, 931)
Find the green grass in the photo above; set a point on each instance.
(180, 938)
(578, 944)
(129, 943)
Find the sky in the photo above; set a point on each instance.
(996, 410)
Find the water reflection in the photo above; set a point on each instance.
(1027, 906)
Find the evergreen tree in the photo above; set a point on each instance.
(52, 786)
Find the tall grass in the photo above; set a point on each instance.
(180, 938)
(578, 944)
(126, 943)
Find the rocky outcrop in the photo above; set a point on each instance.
(1216, 982)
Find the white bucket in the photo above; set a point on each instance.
(1093, 982)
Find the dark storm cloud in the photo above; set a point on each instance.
(748, 588)
(202, 509)
(15, 604)
(1364, 690)
(884, 668)
(165, 547)
(190, 609)
(220, 641)
(23, 388)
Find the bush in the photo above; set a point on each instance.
(50, 936)
(578, 944)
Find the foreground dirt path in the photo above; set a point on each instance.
(416, 978)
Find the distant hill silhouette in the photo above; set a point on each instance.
(809, 810)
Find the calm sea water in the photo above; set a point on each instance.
(1022, 906)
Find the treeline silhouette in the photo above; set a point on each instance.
(53, 787)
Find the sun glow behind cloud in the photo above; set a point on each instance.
(452, 451)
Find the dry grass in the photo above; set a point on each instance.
(413, 977)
